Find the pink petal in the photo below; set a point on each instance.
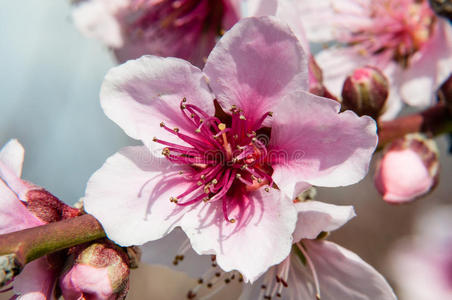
(255, 64)
(14, 216)
(36, 281)
(248, 245)
(430, 68)
(315, 217)
(12, 156)
(163, 252)
(84, 280)
(317, 145)
(130, 196)
(141, 93)
(342, 275)
(337, 64)
(96, 19)
(402, 176)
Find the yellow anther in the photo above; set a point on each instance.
(270, 113)
(166, 151)
(162, 124)
(176, 129)
(238, 175)
(242, 117)
(199, 183)
(203, 177)
(173, 199)
(232, 220)
(214, 181)
(267, 189)
(222, 126)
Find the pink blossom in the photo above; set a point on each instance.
(404, 38)
(313, 266)
(223, 178)
(409, 169)
(37, 280)
(421, 265)
(100, 272)
(180, 28)
(319, 269)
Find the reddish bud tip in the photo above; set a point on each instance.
(365, 92)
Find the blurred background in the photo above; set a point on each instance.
(50, 79)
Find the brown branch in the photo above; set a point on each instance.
(29, 244)
(433, 121)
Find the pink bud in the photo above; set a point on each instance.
(409, 169)
(365, 92)
(99, 272)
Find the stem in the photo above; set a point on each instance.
(32, 243)
(432, 121)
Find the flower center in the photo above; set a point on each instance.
(224, 157)
(397, 31)
(171, 18)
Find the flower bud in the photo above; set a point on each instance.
(409, 169)
(99, 271)
(365, 92)
(445, 93)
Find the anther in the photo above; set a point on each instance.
(191, 295)
(206, 199)
(238, 175)
(165, 152)
(176, 129)
(267, 189)
(227, 280)
(214, 181)
(184, 99)
(200, 281)
(242, 117)
(154, 139)
(222, 126)
(232, 221)
(162, 124)
(203, 177)
(199, 183)
(173, 199)
(244, 167)
(217, 274)
(209, 285)
(181, 172)
(270, 113)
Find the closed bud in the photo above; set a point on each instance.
(365, 92)
(445, 93)
(409, 169)
(99, 271)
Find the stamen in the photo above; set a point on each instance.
(311, 266)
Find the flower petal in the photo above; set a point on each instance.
(341, 273)
(315, 217)
(129, 195)
(36, 281)
(313, 143)
(96, 19)
(163, 252)
(141, 93)
(14, 216)
(432, 66)
(263, 221)
(254, 64)
(12, 156)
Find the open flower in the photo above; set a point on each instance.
(231, 167)
(403, 38)
(318, 269)
(421, 265)
(37, 279)
(186, 29)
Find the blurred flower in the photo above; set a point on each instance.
(409, 169)
(100, 271)
(422, 265)
(24, 205)
(403, 38)
(445, 93)
(318, 269)
(186, 29)
(223, 178)
(365, 92)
